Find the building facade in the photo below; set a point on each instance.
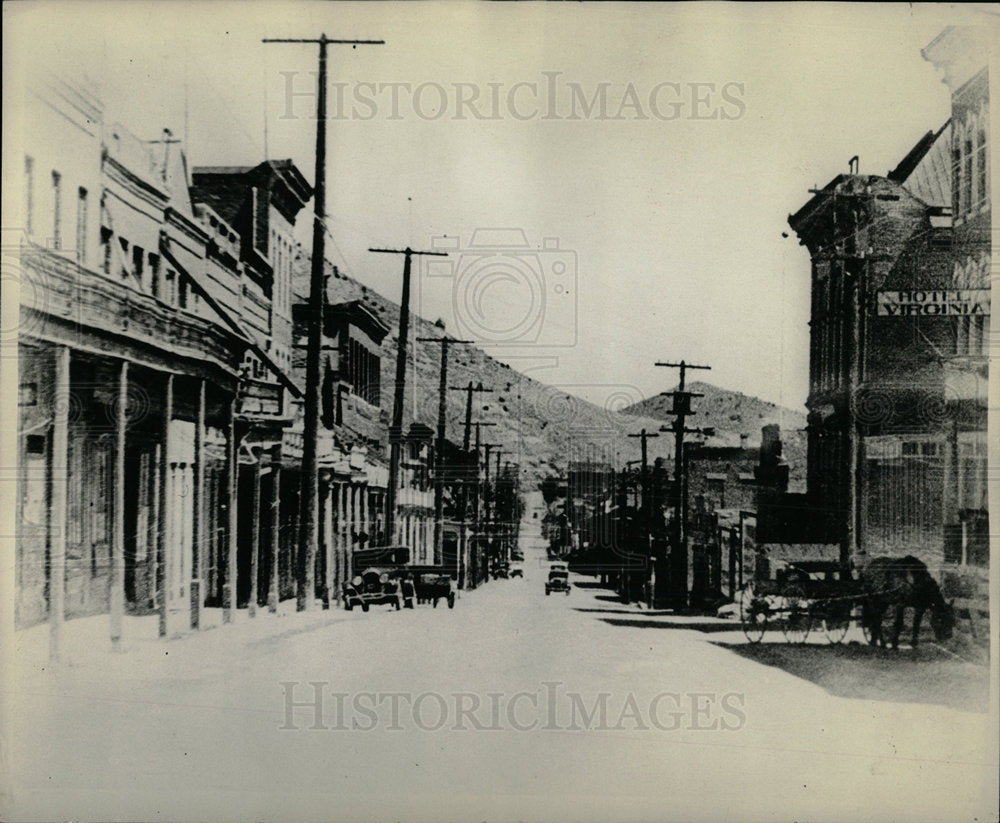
(899, 331)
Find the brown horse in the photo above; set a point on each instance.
(902, 582)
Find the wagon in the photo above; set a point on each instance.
(807, 595)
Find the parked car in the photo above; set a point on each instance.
(558, 579)
(516, 570)
(374, 586)
(380, 577)
(434, 586)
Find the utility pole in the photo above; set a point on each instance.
(309, 499)
(396, 429)
(647, 511)
(465, 483)
(439, 451)
(489, 503)
(468, 408)
(678, 555)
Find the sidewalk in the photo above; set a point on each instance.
(86, 642)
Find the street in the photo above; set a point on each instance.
(512, 706)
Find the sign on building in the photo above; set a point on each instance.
(934, 303)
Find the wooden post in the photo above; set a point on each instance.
(330, 594)
(255, 535)
(198, 527)
(60, 488)
(232, 474)
(153, 543)
(116, 604)
(165, 543)
(364, 525)
(274, 591)
(348, 524)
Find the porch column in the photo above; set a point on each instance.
(165, 542)
(232, 469)
(348, 526)
(255, 534)
(60, 483)
(198, 526)
(117, 584)
(326, 513)
(365, 525)
(274, 593)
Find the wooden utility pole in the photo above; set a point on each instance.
(466, 481)
(647, 508)
(490, 498)
(309, 500)
(647, 515)
(439, 450)
(396, 428)
(678, 554)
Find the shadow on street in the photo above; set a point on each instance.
(927, 674)
(690, 624)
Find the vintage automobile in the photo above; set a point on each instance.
(374, 586)
(516, 570)
(434, 584)
(558, 579)
(380, 577)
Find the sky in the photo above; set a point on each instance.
(611, 182)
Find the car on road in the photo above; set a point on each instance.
(516, 570)
(373, 587)
(381, 577)
(558, 579)
(435, 585)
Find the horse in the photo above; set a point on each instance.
(902, 582)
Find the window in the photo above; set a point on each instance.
(56, 216)
(957, 139)
(982, 159)
(967, 172)
(168, 287)
(138, 258)
(154, 275)
(29, 192)
(124, 244)
(106, 236)
(182, 292)
(81, 226)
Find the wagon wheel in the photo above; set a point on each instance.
(797, 621)
(753, 614)
(836, 620)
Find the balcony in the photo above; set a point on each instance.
(64, 303)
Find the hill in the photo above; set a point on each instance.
(539, 426)
(734, 414)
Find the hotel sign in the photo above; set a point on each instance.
(934, 303)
